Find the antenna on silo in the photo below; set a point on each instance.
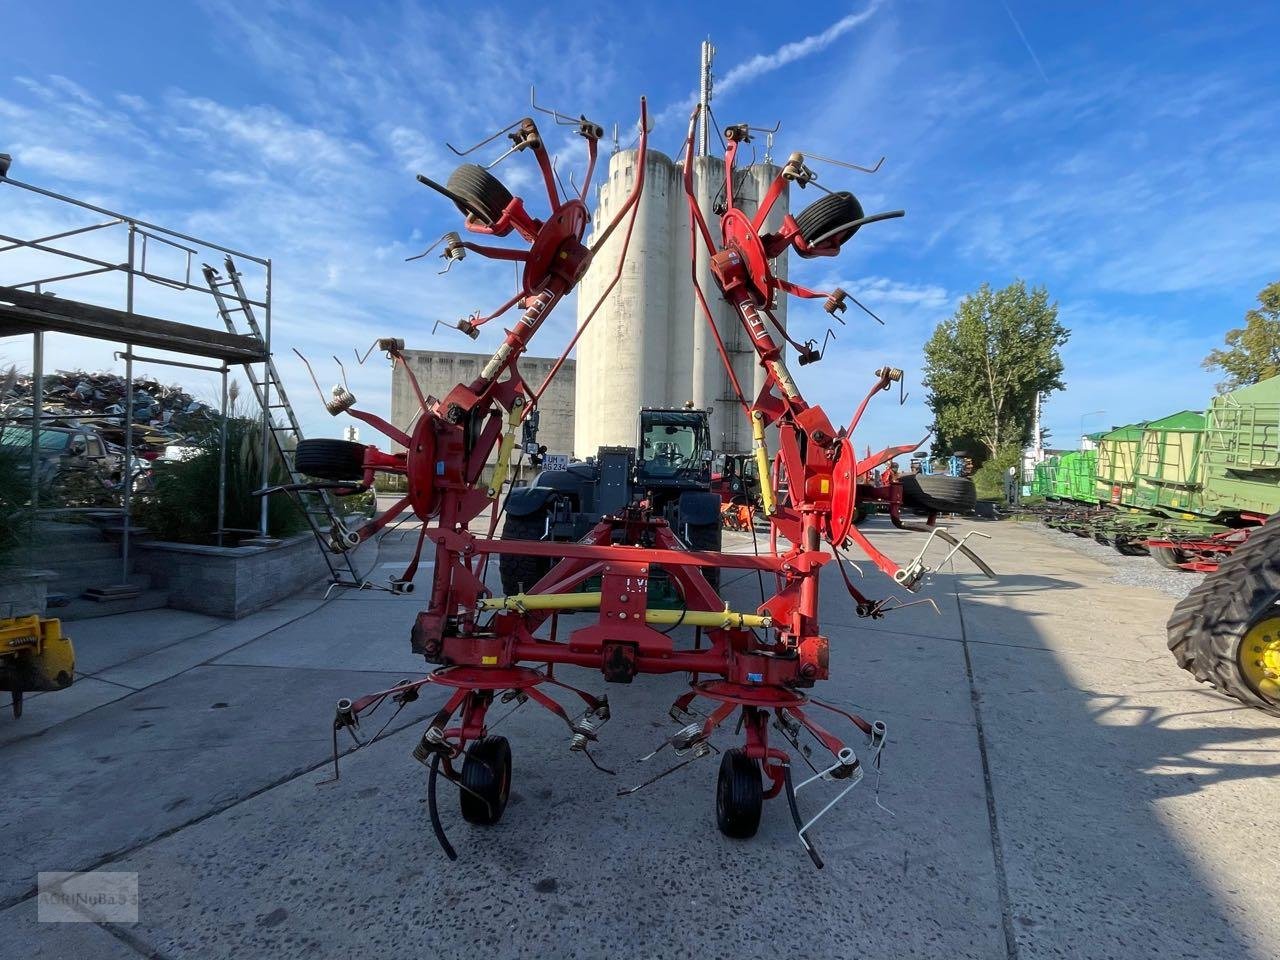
(704, 99)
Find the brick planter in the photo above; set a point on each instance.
(231, 581)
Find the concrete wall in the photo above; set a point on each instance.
(439, 371)
(231, 581)
(649, 343)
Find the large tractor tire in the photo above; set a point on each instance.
(519, 572)
(479, 193)
(707, 536)
(1226, 632)
(941, 494)
(330, 459)
(827, 214)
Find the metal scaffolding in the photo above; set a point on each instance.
(31, 307)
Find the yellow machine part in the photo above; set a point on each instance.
(767, 501)
(34, 655)
(588, 601)
(1259, 657)
(503, 466)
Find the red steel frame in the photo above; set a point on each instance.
(450, 443)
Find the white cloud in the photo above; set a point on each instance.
(764, 63)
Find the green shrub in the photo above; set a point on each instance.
(390, 483)
(184, 503)
(15, 496)
(989, 478)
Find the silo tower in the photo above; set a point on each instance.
(649, 344)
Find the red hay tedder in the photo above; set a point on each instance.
(758, 664)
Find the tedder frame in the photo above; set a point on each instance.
(757, 663)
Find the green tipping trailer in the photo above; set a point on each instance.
(1167, 477)
(1117, 463)
(1074, 476)
(1043, 477)
(1241, 452)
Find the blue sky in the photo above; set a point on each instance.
(1126, 156)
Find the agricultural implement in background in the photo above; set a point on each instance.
(755, 664)
(1189, 489)
(34, 657)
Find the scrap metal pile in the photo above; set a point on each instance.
(753, 668)
(162, 414)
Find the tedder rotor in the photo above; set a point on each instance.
(756, 664)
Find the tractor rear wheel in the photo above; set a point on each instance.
(486, 781)
(707, 536)
(739, 795)
(829, 213)
(330, 459)
(941, 494)
(479, 193)
(1226, 631)
(519, 572)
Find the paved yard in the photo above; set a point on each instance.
(1054, 787)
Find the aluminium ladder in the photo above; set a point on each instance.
(317, 505)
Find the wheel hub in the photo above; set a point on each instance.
(1259, 656)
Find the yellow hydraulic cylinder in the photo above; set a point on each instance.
(504, 449)
(708, 618)
(590, 601)
(543, 601)
(762, 463)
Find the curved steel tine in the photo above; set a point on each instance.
(486, 140)
(845, 163)
(359, 359)
(774, 129)
(561, 118)
(419, 256)
(306, 363)
(342, 370)
(865, 310)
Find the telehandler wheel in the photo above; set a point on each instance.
(739, 795)
(330, 459)
(519, 572)
(1226, 632)
(1170, 557)
(486, 781)
(709, 536)
(829, 213)
(943, 494)
(482, 195)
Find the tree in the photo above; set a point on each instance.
(985, 365)
(1253, 351)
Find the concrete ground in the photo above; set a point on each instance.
(1053, 787)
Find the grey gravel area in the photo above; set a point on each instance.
(1129, 571)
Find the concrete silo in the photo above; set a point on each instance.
(649, 344)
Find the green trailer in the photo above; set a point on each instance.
(1043, 477)
(1074, 476)
(1117, 461)
(1241, 458)
(1167, 476)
